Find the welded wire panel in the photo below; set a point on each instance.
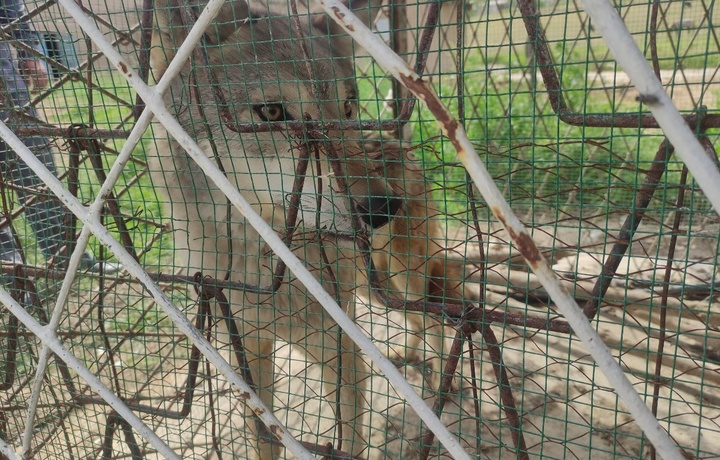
(321, 141)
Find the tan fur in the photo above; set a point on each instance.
(262, 166)
(410, 257)
(169, 29)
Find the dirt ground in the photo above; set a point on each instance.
(567, 407)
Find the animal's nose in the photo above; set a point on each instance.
(377, 211)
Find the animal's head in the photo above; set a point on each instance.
(259, 74)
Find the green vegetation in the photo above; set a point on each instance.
(536, 160)
(107, 106)
(75, 103)
(684, 38)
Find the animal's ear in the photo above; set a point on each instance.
(172, 17)
(231, 15)
(171, 26)
(365, 10)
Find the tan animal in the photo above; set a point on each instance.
(169, 30)
(409, 254)
(171, 18)
(411, 261)
(259, 82)
(261, 79)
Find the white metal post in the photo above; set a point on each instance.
(501, 209)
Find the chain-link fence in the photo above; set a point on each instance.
(162, 308)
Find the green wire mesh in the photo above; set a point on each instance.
(576, 154)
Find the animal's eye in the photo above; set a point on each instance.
(270, 112)
(349, 108)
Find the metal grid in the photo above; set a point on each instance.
(633, 237)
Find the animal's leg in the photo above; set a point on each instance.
(432, 351)
(259, 356)
(353, 384)
(444, 285)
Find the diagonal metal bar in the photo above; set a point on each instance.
(609, 24)
(501, 209)
(8, 451)
(155, 103)
(531, 19)
(112, 178)
(630, 226)
(133, 267)
(105, 191)
(51, 328)
(91, 221)
(51, 341)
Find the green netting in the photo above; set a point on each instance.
(556, 122)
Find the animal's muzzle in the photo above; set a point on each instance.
(376, 211)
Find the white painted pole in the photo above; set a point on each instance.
(485, 184)
(8, 451)
(155, 103)
(113, 176)
(612, 28)
(52, 326)
(134, 268)
(49, 338)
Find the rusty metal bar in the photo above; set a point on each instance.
(350, 125)
(51, 341)
(531, 19)
(146, 24)
(91, 222)
(501, 209)
(680, 202)
(631, 224)
(445, 383)
(653, 95)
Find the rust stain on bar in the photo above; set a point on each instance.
(341, 16)
(450, 126)
(276, 431)
(522, 240)
(649, 99)
(124, 68)
(425, 92)
(338, 14)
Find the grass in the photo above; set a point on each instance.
(539, 163)
(141, 207)
(503, 34)
(536, 160)
(73, 103)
